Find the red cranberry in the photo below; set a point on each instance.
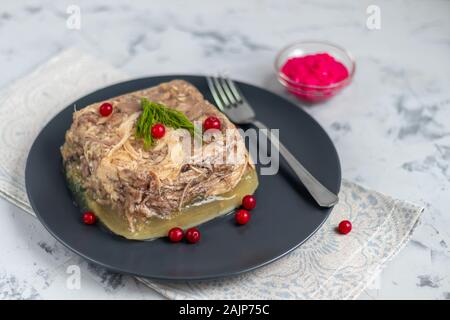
(242, 216)
(345, 227)
(249, 202)
(106, 109)
(193, 235)
(211, 123)
(158, 131)
(89, 217)
(175, 234)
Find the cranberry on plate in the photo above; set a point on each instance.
(175, 234)
(242, 216)
(89, 217)
(193, 235)
(249, 202)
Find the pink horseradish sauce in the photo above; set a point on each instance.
(314, 77)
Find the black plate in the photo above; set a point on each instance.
(284, 218)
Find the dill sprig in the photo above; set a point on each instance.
(153, 113)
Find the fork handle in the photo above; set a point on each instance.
(323, 196)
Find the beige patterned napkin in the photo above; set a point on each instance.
(327, 266)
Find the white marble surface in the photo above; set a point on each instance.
(391, 126)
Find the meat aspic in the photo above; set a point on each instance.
(105, 159)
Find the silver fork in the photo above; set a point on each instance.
(230, 101)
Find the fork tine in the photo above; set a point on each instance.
(214, 93)
(234, 90)
(222, 94)
(228, 92)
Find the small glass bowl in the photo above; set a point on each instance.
(314, 93)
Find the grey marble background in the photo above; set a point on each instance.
(391, 126)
